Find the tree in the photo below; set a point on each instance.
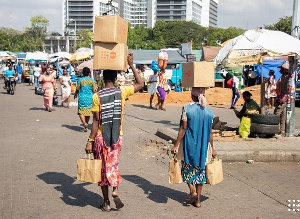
(284, 24)
(220, 35)
(84, 38)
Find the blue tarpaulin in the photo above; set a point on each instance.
(270, 65)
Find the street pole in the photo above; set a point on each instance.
(75, 35)
(293, 63)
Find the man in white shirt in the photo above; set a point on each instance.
(37, 71)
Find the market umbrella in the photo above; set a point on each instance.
(88, 63)
(248, 48)
(63, 55)
(78, 56)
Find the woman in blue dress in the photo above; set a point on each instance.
(86, 87)
(195, 131)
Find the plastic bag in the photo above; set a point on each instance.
(244, 128)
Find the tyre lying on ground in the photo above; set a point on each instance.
(264, 128)
(265, 119)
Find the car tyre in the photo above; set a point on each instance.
(264, 129)
(265, 119)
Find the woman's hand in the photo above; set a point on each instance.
(89, 148)
(130, 58)
(174, 150)
(214, 153)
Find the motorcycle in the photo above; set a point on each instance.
(10, 85)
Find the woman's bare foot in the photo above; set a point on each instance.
(191, 199)
(197, 204)
(106, 206)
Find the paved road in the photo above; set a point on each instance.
(38, 167)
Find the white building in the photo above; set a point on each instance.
(81, 13)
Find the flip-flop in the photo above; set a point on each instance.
(104, 209)
(119, 204)
(191, 199)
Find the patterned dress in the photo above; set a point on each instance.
(85, 87)
(109, 154)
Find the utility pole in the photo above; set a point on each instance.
(293, 61)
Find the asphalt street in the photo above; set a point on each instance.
(38, 169)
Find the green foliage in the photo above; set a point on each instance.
(84, 39)
(284, 24)
(221, 35)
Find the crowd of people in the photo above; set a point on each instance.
(105, 103)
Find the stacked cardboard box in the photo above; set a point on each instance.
(110, 43)
(198, 74)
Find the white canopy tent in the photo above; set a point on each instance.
(250, 46)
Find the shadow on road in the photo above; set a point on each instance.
(72, 127)
(37, 108)
(165, 122)
(73, 194)
(142, 106)
(158, 193)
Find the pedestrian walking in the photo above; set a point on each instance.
(152, 87)
(31, 75)
(282, 95)
(195, 131)
(235, 92)
(19, 70)
(49, 85)
(86, 86)
(65, 85)
(162, 90)
(271, 90)
(105, 139)
(37, 73)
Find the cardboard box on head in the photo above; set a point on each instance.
(198, 74)
(110, 29)
(108, 56)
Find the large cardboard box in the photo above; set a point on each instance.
(110, 29)
(198, 74)
(110, 56)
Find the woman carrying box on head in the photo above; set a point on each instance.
(105, 139)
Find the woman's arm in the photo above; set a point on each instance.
(139, 82)
(180, 136)
(95, 126)
(211, 141)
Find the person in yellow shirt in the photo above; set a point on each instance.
(105, 140)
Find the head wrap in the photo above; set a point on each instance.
(199, 92)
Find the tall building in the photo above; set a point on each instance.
(81, 13)
(209, 17)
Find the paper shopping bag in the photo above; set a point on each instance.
(174, 171)
(214, 172)
(89, 170)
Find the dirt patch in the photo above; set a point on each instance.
(215, 96)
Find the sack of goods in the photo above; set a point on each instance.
(110, 43)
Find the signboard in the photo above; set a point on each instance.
(186, 48)
(191, 58)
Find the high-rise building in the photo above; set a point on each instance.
(81, 13)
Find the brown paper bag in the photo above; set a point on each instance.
(214, 172)
(174, 171)
(89, 170)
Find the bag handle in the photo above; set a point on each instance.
(88, 156)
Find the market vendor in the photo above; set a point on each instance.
(249, 107)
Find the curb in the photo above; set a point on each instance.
(277, 155)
